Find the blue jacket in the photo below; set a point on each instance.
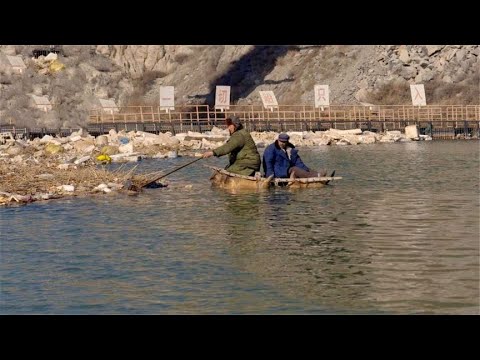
(276, 162)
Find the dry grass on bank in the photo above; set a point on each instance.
(30, 179)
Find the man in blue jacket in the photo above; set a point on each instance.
(282, 160)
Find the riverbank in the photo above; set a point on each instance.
(54, 167)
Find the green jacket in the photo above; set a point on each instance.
(244, 157)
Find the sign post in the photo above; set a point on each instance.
(322, 96)
(418, 95)
(222, 98)
(17, 63)
(109, 106)
(167, 98)
(42, 103)
(269, 100)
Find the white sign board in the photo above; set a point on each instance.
(322, 95)
(17, 63)
(222, 97)
(109, 106)
(418, 95)
(42, 103)
(167, 98)
(269, 100)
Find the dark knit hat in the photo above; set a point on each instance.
(235, 120)
(283, 137)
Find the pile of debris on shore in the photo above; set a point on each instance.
(28, 182)
(54, 167)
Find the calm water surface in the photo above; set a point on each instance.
(399, 234)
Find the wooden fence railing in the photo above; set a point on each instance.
(439, 114)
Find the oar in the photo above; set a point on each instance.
(171, 172)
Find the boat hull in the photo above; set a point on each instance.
(230, 181)
(227, 180)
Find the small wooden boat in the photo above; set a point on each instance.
(227, 180)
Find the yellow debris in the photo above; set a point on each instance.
(104, 158)
(56, 66)
(53, 149)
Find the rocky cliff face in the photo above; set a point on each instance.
(132, 74)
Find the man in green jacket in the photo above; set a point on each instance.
(244, 158)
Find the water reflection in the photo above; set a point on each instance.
(298, 248)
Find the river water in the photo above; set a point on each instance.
(399, 234)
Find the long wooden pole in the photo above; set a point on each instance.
(171, 172)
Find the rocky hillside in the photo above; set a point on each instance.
(132, 74)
